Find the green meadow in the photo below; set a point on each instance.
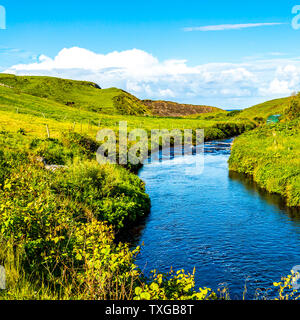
(31, 110)
(266, 109)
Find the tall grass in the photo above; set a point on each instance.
(271, 155)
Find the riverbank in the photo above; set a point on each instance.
(57, 227)
(270, 155)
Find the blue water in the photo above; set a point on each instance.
(220, 223)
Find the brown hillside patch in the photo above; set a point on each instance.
(173, 109)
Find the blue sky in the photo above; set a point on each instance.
(234, 68)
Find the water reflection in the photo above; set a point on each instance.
(273, 199)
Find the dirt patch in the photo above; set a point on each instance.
(173, 109)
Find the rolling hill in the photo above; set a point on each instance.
(81, 95)
(266, 109)
(88, 96)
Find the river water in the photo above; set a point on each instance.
(221, 223)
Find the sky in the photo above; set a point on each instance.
(229, 54)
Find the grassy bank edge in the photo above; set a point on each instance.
(270, 156)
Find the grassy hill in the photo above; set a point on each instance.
(85, 96)
(266, 109)
(173, 109)
(81, 95)
(270, 154)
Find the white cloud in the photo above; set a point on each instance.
(222, 27)
(139, 72)
(84, 59)
(167, 93)
(277, 87)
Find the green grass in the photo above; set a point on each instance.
(31, 103)
(33, 114)
(80, 95)
(271, 155)
(266, 109)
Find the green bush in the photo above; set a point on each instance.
(55, 220)
(110, 192)
(293, 110)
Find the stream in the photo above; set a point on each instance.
(221, 223)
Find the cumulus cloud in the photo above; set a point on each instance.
(137, 71)
(277, 87)
(222, 27)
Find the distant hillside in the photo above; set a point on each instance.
(86, 96)
(266, 109)
(173, 109)
(81, 95)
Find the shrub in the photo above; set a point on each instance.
(85, 144)
(110, 192)
(52, 150)
(233, 113)
(293, 110)
(172, 286)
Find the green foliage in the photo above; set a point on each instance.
(233, 129)
(8, 159)
(52, 150)
(126, 103)
(108, 270)
(111, 193)
(85, 144)
(40, 209)
(292, 112)
(21, 131)
(52, 218)
(233, 113)
(172, 286)
(259, 120)
(286, 289)
(71, 146)
(270, 154)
